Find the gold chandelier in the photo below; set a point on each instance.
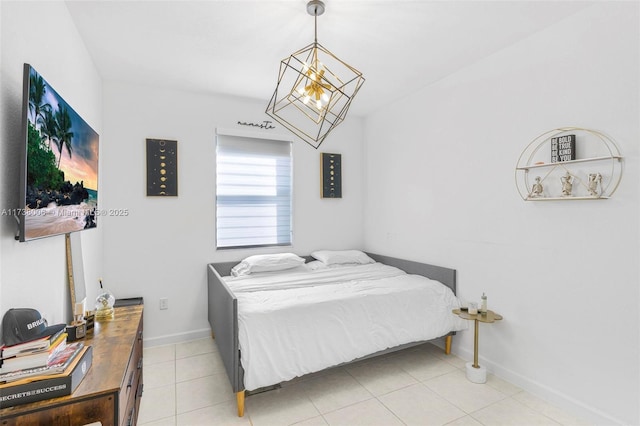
(315, 89)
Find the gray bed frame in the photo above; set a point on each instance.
(223, 313)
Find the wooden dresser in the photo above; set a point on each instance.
(110, 392)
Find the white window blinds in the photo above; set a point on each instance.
(253, 192)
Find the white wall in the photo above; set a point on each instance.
(162, 248)
(34, 274)
(564, 274)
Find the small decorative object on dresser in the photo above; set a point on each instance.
(104, 304)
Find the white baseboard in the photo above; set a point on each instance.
(553, 396)
(177, 338)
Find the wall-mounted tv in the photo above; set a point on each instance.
(59, 173)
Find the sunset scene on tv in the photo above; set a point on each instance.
(62, 165)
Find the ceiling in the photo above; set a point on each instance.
(235, 46)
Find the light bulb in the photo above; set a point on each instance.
(325, 98)
(306, 99)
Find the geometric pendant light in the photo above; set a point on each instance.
(315, 89)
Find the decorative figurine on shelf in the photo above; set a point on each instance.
(567, 184)
(595, 179)
(537, 189)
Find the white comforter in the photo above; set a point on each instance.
(294, 323)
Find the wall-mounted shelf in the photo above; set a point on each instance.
(566, 198)
(593, 174)
(583, 160)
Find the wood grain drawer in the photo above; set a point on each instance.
(132, 383)
(91, 410)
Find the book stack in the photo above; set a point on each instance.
(60, 377)
(33, 354)
(36, 362)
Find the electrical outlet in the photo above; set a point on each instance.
(164, 303)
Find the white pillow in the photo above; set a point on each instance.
(315, 265)
(266, 263)
(341, 257)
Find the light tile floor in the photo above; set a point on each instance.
(186, 385)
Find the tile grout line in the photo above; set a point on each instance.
(506, 395)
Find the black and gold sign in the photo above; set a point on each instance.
(162, 167)
(563, 148)
(331, 175)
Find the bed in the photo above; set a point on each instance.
(272, 326)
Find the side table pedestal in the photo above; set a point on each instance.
(475, 372)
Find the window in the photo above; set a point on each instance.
(253, 192)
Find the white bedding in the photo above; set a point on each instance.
(296, 322)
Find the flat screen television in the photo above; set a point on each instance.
(59, 169)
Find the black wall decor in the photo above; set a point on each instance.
(563, 148)
(264, 125)
(162, 167)
(331, 175)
